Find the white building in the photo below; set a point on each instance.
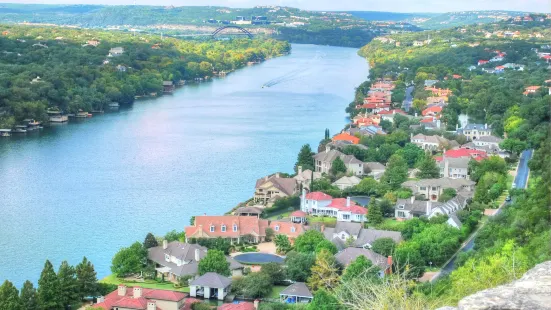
(321, 204)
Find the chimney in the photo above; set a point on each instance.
(348, 201)
(415, 114)
(412, 199)
(437, 123)
(486, 126)
(197, 255)
(411, 136)
(456, 126)
(165, 244)
(122, 290)
(429, 207)
(299, 168)
(327, 149)
(322, 228)
(151, 305)
(389, 262)
(277, 174)
(137, 292)
(266, 178)
(100, 299)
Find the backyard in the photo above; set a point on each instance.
(112, 279)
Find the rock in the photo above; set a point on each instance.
(531, 292)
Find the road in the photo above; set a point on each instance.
(521, 180)
(406, 104)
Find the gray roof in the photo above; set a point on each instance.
(297, 289)
(490, 139)
(286, 185)
(364, 236)
(353, 180)
(348, 255)
(460, 162)
(443, 182)
(349, 227)
(369, 235)
(430, 139)
(331, 155)
(453, 217)
(418, 207)
(253, 210)
(430, 82)
(340, 144)
(470, 126)
(186, 253)
(373, 165)
(212, 279)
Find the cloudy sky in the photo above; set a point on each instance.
(363, 5)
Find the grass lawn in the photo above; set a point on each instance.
(276, 290)
(331, 221)
(391, 224)
(282, 215)
(111, 279)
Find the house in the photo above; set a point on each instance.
(471, 68)
(115, 51)
(431, 143)
(454, 168)
(475, 131)
(431, 189)
(347, 182)
(270, 188)
(321, 204)
(324, 160)
(374, 169)
(290, 229)
(297, 292)
(230, 227)
(487, 144)
(531, 90)
(456, 76)
(389, 115)
(367, 131)
(248, 211)
(431, 123)
(439, 91)
(37, 79)
(432, 111)
(482, 62)
(454, 221)
(210, 285)
(299, 217)
(429, 83)
(475, 154)
(240, 305)
(121, 68)
(418, 43)
(339, 145)
(496, 58)
(437, 100)
(346, 234)
(348, 255)
(407, 209)
(176, 259)
(343, 136)
(139, 298)
(168, 86)
(304, 177)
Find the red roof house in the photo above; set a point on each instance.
(466, 153)
(343, 136)
(140, 298)
(230, 226)
(242, 305)
(482, 62)
(432, 111)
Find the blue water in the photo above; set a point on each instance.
(258, 258)
(89, 188)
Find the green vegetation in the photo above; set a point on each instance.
(214, 261)
(128, 261)
(113, 280)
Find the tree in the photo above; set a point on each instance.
(374, 213)
(299, 265)
(308, 241)
(338, 166)
(428, 168)
(326, 245)
(361, 266)
(514, 146)
(29, 298)
(257, 284)
(274, 271)
(214, 261)
(324, 272)
(86, 278)
(283, 245)
(447, 194)
(150, 241)
(396, 172)
(68, 284)
(269, 234)
(411, 153)
(419, 104)
(175, 236)
(129, 260)
(49, 292)
(305, 158)
(9, 297)
(367, 186)
(384, 246)
(408, 260)
(323, 300)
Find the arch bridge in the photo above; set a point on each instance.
(243, 30)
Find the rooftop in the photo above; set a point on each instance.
(297, 289)
(348, 255)
(213, 280)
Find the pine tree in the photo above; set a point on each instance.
(68, 284)
(374, 213)
(86, 279)
(396, 172)
(150, 241)
(428, 168)
(48, 289)
(29, 298)
(305, 159)
(9, 297)
(338, 166)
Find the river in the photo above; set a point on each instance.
(89, 188)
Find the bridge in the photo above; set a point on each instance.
(243, 30)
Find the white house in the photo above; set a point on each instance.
(455, 168)
(321, 204)
(324, 160)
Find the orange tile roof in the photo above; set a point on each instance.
(245, 225)
(346, 137)
(432, 110)
(289, 229)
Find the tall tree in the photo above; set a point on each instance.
(129, 260)
(150, 241)
(214, 261)
(9, 297)
(323, 300)
(308, 241)
(326, 245)
(68, 284)
(338, 166)
(384, 246)
(283, 245)
(428, 168)
(396, 172)
(86, 278)
(361, 266)
(29, 297)
(305, 158)
(299, 265)
(324, 272)
(374, 213)
(49, 293)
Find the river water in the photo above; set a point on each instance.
(89, 188)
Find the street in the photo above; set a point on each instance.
(406, 104)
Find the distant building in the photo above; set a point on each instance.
(115, 51)
(324, 161)
(139, 298)
(270, 188)
(431, 189)
(347, 182)
(475, 131)
(321, 204)
(346, 234)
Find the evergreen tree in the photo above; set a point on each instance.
(150, 241)
(49, 292)
(428, 168)
(29, 298)
(86, 279)
(305, 159)
(9, 297)
(323, 300)
(338, 166)
(327, 134)
(324, 272)
(363, 267)
(214, 261)
(68, 284)
(396, 172)
(374, 213)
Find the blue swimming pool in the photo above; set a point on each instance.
(258, 258)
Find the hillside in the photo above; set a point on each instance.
(454, 19)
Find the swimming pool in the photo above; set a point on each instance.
(258, 258)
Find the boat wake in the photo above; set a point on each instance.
(299, 73)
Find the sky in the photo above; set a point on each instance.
(340, 5)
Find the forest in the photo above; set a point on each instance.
(69, 69)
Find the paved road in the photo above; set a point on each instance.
(406, 104)
(521, 181)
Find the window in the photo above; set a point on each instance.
(401, 206)
(346, 216)
(277, 228)
(343, 236)
(234, 227)
(401, 214)
(167, 257)
(223, 228)
(293, 229)
(434, 188)
(211, 228)
(423, 188)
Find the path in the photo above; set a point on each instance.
(406, 104)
